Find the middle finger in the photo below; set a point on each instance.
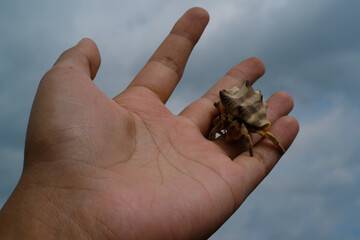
(202, 111)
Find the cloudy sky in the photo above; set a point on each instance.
(311, 49)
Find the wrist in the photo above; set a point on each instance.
(22, 216)
(32, 213)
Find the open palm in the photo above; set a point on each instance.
(129, 168)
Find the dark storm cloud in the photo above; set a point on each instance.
(310, 49)
(27, 51)
(306, 46)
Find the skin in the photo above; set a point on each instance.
(127, 168)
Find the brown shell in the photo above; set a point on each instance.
(246, 104)
(242, 111)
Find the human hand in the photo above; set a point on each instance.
(127, 167)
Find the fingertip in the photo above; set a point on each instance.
(288, 99)
(249, 69)
(84, 56)
(199, 13)
(292, 124)
(256, 64)
(192, 24)
(286, 128)
(280, 102)
(90, 50)
(284, 96)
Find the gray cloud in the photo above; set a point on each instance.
(310, 48)
(311, 193)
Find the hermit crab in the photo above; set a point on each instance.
(242, 111)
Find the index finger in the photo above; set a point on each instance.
(163, 71)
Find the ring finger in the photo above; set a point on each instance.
(279, 105)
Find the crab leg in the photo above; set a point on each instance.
(233, 131)
(218, 126)
(249, 143)
(272, 138)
